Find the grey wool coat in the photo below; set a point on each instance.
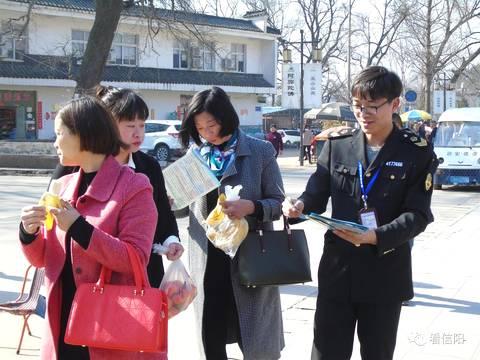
(259, 310)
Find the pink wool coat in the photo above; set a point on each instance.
(119, 204)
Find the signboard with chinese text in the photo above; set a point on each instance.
(438, 101)
(291, 86)
(312, 85)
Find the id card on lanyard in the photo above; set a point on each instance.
(367, 216)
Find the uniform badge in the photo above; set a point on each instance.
(428, 182)
(421, 142)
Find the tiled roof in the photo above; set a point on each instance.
(57, 67)
(182, 16)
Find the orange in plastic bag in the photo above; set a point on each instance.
(179, 287)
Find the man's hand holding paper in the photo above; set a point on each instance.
(369, 237)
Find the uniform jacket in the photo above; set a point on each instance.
(259, 310)
(166, 225)
(401, 196)
(119, 204)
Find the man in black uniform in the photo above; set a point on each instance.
(379, 176)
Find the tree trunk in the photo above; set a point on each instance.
(107, 16)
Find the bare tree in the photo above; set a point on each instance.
(220, 8)
(441, 36)
(325, 24)
(335, 87)
(107, 15)
(375, 35)
(469, 89)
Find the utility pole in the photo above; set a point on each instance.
(349, 50)
(287, 57)
(301, 98)
(444, 91)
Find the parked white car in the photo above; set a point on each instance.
(291, 137)
(161, 139)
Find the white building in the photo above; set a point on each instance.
(37, 69)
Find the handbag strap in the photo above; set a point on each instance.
(286, 227)
(139, 275)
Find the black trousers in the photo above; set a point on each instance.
(307, 153)
(220, 318)
(335, 328)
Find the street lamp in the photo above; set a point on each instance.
(287, 57)
(444, 89)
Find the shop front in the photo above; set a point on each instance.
(18, 115)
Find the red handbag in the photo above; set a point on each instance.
(119, 317)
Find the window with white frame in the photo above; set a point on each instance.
(189, 55)
(79, 42)
(238, 57)
(124, 49)
(203, 57)
(180, 54)
(13, 44)
(208, 57)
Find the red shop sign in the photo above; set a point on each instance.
(39, 115)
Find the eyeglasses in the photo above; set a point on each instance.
(372, 110)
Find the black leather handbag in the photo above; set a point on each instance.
(274, 257)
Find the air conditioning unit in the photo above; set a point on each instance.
(197, 63)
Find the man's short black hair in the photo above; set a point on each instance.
(216, 102)
(376, 82)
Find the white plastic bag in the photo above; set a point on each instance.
(179, 288)
(224, 233)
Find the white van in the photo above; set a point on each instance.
(457, 145)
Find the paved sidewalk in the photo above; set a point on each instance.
(441, 323)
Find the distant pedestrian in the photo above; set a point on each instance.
(422, 132)
(381, 177)
(276, 139)
(433, 133)
(397, 120)
(307, 144)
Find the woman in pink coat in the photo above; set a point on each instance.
(104, 206)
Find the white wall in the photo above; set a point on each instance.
(245, 105)
(269, 68)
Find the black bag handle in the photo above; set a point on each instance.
(286, 227)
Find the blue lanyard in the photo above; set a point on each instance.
(370, 183)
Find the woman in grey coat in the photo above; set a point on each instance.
(227, 312)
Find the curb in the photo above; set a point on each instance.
(286, 163)
(24, 172)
